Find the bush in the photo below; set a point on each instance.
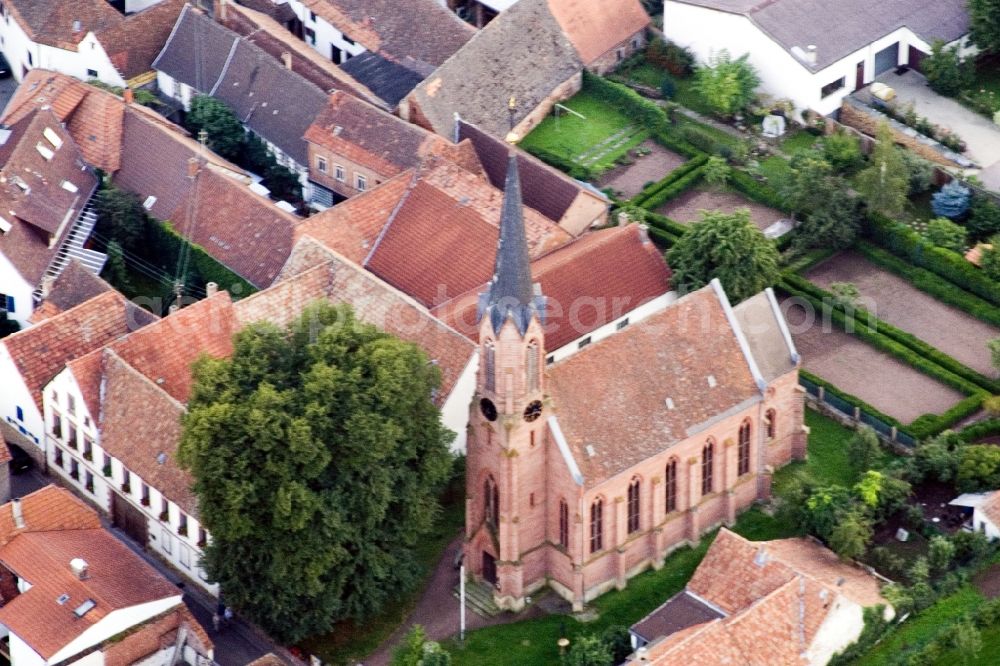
(944, 233)
(946, 71)
(842, 150)
(940, 554)
(588, 651)
(863, 449)
(717, 172)
(700, 138)
(937, 458)
(989, 260)
(979, 468)
(727, 86)
(984, 220)
(971, 548)
(921, 172)
(757, 191)
(667, 55)
(952, 201)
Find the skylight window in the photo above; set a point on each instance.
(670, 403)
(712, 383)
(44, 151)
(69, 187)
(52, 138)
(148, 203)
(62, 599)
(5, 226)
(84, 608)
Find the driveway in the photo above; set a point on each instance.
(981, 135)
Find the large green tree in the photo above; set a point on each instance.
(727, 246)
(225, 132)
(830, 212)
(947, 72)
(317, 456)
(984, 24)
(886, 182)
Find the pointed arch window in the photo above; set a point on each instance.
(633, 506)
(491, 500)
(490, 352)
(597, 526)
(563, 524)
(531, 365)
(771, 420)
(707, 455)
(743, 466)
(671, 485)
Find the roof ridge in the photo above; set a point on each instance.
(129, 367)
(414, 181)
(53, 320)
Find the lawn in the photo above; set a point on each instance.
(927, 624)
(797, 142)
(828, 462)
(348, 642)
(571, 137)
(534, 641)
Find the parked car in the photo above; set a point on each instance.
(20, 461)
(5, 72)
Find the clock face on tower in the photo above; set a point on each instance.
(533, 410)
(488, 409)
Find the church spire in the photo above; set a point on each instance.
(511, 294)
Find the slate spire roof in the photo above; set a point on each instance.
(511, 293)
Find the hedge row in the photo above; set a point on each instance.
(627, 101)
(664, 223)
(928, 424)
(673, 176)
(670, 140)
(808, 259)
(166, 242)
(871, 325)
(978, 431)
(929, 282)
(564, 164)
(664, 239)
(908, 244)
(676, 188)
(851, 399)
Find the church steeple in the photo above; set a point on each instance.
(511, 294)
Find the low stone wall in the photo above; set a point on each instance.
(855, 114)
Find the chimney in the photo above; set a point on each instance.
(194, 166)
(286, 58)
(811, 54)
(15, 509)
(211, 289)
(128, 95)
(79, 567)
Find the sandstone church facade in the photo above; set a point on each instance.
(583, 473)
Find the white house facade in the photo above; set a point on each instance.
(74, 454)
(15, 293)
(17, 406)
(323, 36)
(814, 66)
(88, 61)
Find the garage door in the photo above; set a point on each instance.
(886, 59)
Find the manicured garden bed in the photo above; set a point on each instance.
(899, 303)
(629, 180)
(858, 368)
(687, 207)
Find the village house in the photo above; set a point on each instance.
(789, 601)
(394, 39)
(30, 359)
(354, 146)
(86, 39)
(982, 512)
(45, 187)
(207, 198)
(100, 439)
(203, 57)
(584, 472)
(815, 53)
(534, 52)
(71, 593)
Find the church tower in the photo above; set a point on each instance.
(505, 475)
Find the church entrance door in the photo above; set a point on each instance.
(489, 569)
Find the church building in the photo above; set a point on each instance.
(583, 472)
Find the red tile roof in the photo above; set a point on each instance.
(620, 385)
(42, 351)
(594, 28)
(164, 351)
(776, 595)
(41, 555)
(156, 635)
(587, 283)
(74, 286)
(133, 43)
(45, 510)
